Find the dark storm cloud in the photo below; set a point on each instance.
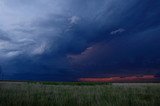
(132, 54)
(59, 40)
(134, 51)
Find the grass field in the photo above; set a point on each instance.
(79, 94)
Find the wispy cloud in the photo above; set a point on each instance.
(118, 31)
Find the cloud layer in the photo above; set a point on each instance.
(64, 40)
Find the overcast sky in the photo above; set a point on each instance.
(63, 40)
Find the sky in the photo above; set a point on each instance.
(59, 40)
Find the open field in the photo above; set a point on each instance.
(79, 94)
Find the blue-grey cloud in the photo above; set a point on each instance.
(63, 40)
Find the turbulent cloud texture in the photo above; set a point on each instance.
(64, 40)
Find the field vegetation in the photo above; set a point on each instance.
(78, 94)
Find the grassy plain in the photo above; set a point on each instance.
(79, 94)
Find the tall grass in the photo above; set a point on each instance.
(38, 94)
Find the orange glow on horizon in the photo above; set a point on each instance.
(119, 79)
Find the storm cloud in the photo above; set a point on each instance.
(64, 40)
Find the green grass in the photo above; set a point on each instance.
(84, 94)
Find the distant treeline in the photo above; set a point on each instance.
(71, 83)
